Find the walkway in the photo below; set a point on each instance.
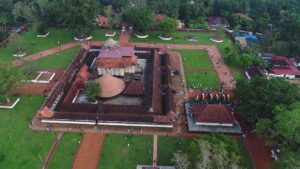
(88, 154)
(124, 37)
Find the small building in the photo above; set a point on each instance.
(212, 115)
(242, 41)
(213, 22)
(181, 24)
(115, 60)
(210, 118)
(281, 67)
(254, 71)
(159, 17)
(296, 61)
(102, 21)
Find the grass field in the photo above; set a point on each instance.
(60, 60)
(207, 79)
(21, 147)
(30, 43)
(195, 59)
(117, 155)
(99, 34)
(64, 155)
(168, 145)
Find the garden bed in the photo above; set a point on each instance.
(43, 77)
(110, 34)
(83, 38)
(165, 37)
(43, 36)
(142, 36)
(217, 39)
(9, 105)
(20, 54)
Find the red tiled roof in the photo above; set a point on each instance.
(159, 17)
(135, 88)
(212, 113)
(116, 62)
(282, 65)
(116, 53)
(102, 20)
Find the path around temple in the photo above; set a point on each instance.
(89, 152)
(88, 155)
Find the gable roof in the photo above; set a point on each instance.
(212, 113)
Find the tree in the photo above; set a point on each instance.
(168, 26)
(10, 78)
(24, 11)
(3, 21)
(180, 160)
(92, 90)
(141, 18)
(42, 28)
(259, 97)
(77, 15)
(111, 16)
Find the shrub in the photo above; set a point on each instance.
(42, 29)
(92, 90)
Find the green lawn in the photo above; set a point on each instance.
(99, 34)
(117, 155)
(29, 42)
(21, 147)
(179, 38)
(64, 154)
(207, 79)
(168, 145)
(195, 59)
(60, 60)
(238, 76)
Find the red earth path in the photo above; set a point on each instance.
(88, 154)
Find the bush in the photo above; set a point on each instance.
(92, 90)
(3, 35)
(42, 29)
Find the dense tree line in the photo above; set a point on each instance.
(278, 19)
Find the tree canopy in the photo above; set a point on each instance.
(10, 77)
(212, 151)
(259, 97)
(92, 90)
(141, 18)
(168, 25)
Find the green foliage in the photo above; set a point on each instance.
(212, 151)
(3, 35)
(111, 16)
(141, 18)
(244, 60)
(260, 96)
(92, 90)
(42, 29)
(10, 77)
(168, 26)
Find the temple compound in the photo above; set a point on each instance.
(134, 91)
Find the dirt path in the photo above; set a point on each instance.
(259, 153)
(88, 154)
(124, 37)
